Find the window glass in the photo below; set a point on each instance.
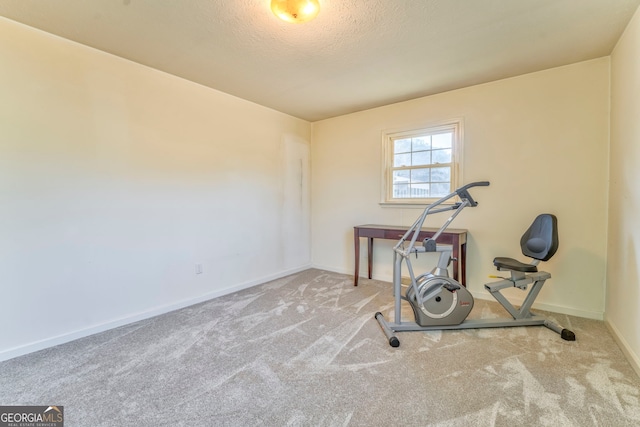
(423, 165)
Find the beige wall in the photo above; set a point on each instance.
(116, 180)
(542, 141)
(623, 258)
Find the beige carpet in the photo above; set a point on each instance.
(305, 350)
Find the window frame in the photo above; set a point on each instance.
(389, 135)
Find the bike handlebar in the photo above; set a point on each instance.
(463, 192)
(414, 230)
(474, 184)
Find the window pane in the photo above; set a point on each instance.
(440, 190)
(441, 175)
(421, 158)
(402, 145)
(442, 140)
(401, 176)
(419, 175)
(420, 162)
(421, 143)
(401, 191)
(442, 156)
(402, 160)
(420, 190)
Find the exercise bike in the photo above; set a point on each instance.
(441, 303)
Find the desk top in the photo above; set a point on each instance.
(400, 227)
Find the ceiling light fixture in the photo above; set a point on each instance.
(296, 11)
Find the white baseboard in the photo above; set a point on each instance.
(333, 269)
(631, 356)
(94, 329)
(595, 315)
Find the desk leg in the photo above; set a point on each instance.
(460, 263)
(356, 245)
(370, 255)
(456, 260)
(463, 266)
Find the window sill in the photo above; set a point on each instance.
(411, 205)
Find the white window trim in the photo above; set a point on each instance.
(387, 159)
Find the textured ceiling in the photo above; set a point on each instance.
(357, 54)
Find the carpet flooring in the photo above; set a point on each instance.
(305, 350)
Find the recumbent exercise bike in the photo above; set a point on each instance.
(440, 302)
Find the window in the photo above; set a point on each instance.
(421, 165)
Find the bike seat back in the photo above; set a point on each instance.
(539, 242)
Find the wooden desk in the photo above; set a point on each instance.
(451, 236)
